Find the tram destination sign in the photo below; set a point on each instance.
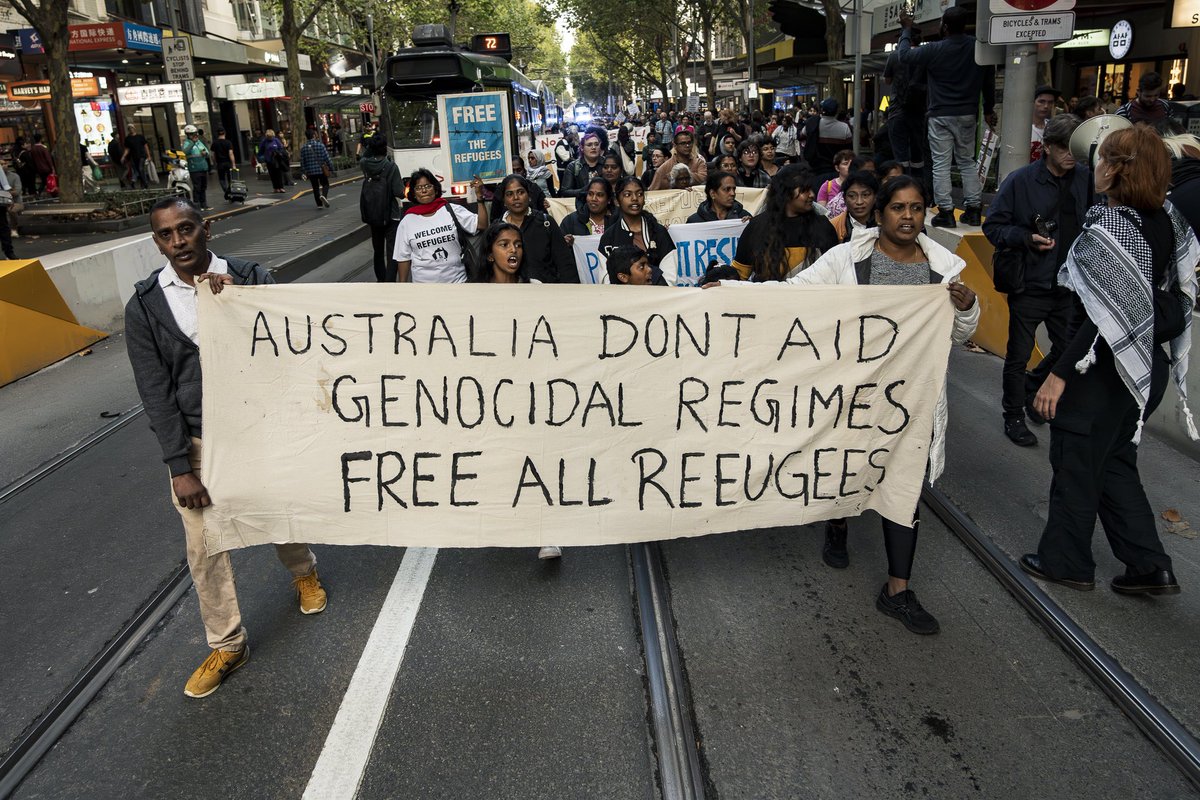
(475, 135)
(1051, 26)
(443, 416)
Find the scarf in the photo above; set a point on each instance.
(1109, 267)
(428, 208)
(539, 170)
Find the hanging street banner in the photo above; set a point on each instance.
(447, 416)
(475, 135)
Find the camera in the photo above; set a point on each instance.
(1045, 227)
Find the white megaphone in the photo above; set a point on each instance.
(1085, 141)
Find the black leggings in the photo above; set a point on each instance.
(900, 542)
(383, 239)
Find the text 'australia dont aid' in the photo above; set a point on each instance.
(453, 417)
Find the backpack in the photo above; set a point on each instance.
(375, 202)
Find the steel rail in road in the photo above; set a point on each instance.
(674, 729)
(1159, 724)
(51, 725)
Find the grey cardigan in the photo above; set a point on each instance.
(166, 363)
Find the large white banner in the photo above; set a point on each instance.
(669, 206)
(465, 416)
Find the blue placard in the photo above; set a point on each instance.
(475, 137)
(143, 37)
(28, 41)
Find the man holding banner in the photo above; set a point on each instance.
(162, 337)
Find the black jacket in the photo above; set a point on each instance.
(166, 363)
(704, 212)
(547, 257)
(576, 223)
(1026, 193)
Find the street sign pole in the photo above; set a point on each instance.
(186, 84)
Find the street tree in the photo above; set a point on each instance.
(49, 19)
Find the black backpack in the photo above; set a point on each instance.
(375, 203)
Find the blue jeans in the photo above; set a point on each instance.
(954, 136)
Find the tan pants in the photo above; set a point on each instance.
(213, 575)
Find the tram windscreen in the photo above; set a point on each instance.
(412, 122)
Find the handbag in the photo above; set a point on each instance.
(472, 248)
(1008, 270)
(97, 175)
(52, 183)
(325, 171)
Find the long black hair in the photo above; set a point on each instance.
(622, 182)
(486, 271)
(815, 231)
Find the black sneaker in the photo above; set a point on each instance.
(1016, 430)
(905, 607)
(834, 551)
(944, 219)
(971, 216)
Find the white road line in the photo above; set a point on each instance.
(343, 759)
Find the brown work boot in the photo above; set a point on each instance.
(312, 595)
(208, 677)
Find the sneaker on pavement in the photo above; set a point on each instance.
(1016, 430)
(312, 595)
(208, 677)
(943, 219)
(550, 551)
(325, 201)
(834, 551)
(905, 607)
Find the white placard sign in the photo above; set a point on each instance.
(177, 58)
(448, 416)
(1051, 26)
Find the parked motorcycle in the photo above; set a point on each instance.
(179, 180)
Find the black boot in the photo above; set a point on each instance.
(834, 552)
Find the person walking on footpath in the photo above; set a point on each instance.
(161, 336)
(317, 166)
(1034, 219)
(198, 165)
(137, 153)
(272, 153)
(43, 162)
(382, 184)
(954, 83)
(222, 150)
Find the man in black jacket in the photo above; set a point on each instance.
(161, 337)
(1036, 216)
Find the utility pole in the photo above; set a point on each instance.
(1020, 75)
(374, 56)
(186, 85)
(750, 76)
(856, 31)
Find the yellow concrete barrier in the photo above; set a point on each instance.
(37, 327)
(992, 333)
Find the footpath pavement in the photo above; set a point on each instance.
(298, 197)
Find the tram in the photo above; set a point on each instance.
(436, 66)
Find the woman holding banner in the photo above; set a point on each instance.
(896, 253)
(788, 234)
(633, 225)
(548, 257)
(427, 244)
(595, 216)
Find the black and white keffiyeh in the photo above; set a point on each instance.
(1110, 268)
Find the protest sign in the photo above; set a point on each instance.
(475, 139)
(669, 206)
(699, 243)
(588, 260)
(448, 416)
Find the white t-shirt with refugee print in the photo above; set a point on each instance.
(431, 244)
